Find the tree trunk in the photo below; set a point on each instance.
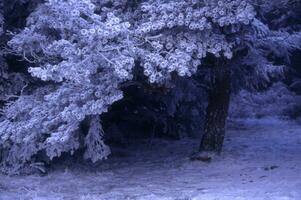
(217, 110)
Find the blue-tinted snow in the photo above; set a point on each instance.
(261, 161)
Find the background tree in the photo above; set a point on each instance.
(285, 15)
(2, 64)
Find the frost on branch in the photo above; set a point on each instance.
(96, 149)
(82, 57)
(179, 34)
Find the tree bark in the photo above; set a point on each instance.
(217, 110)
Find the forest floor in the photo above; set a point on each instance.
(261, 161)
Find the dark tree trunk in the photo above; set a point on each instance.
(217, 110)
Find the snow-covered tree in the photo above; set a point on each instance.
(83, 51)
(222, 35)
(181, 34)
(82, 57)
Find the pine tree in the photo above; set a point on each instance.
(222, 35)
(81, 57)
(82, 52)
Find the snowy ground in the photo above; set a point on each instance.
(261, 161)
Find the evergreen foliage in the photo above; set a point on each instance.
(81, 54)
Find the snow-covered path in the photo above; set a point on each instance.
(261, 161)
